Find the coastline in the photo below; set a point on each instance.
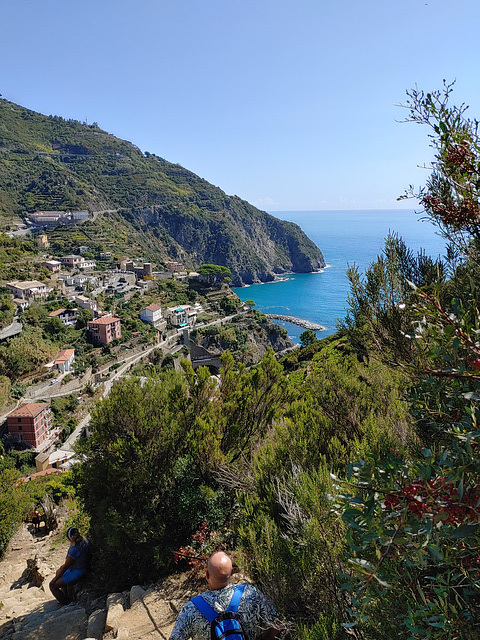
(306, 324)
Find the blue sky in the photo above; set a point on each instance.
(289, 104)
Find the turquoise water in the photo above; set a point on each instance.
(344, 237)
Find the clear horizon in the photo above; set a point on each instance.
(289, 105)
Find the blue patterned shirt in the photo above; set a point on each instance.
(255, 612)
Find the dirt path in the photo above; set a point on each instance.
(28, 611)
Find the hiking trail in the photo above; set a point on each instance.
(28, 611)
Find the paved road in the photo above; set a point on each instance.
(11, 330)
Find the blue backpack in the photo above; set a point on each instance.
(227, 623)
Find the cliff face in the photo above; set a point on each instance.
(169, 212)
(247, 337)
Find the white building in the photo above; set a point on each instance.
(68, 317)
(181, 316)
(64, 361)
(152, 313)
(86, 303)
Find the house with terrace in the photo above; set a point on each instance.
(28, 289)
(181, 316)
(68, 317)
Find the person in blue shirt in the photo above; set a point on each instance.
(74, 567)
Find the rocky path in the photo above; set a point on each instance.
(29, 612)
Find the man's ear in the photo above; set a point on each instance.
(207, 575)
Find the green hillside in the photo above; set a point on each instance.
(166, 211)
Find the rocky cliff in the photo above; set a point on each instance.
(166, 211)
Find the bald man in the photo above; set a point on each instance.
(258, 616)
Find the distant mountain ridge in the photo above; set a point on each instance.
(166, 211)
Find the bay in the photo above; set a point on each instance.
(345, 238)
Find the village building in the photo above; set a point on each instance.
(105, 329)
(174, 266)
(181, 316)
(21, 303)
(87, 264)
(153, 315)
(46, 218)
(52, 265)
(42, 241)
(53, 461)
(68, 317)
(71, 260)
(28, 289)
(64, 361)
(31, 423)
(79, 216)
(86, 303)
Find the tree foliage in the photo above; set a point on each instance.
(412, 519)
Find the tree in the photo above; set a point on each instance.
(214, 273)
(308, 337)
(412, 517)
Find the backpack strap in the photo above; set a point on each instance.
(204, 608)
(209, 612)
(236, 597)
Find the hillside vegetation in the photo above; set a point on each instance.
(166, 211)
(344, 477)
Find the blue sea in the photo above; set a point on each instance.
(345, 238)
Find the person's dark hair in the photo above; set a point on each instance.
(74, 536)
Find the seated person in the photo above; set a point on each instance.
(36, 519)
(74, 567)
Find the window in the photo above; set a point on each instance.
(19, 428)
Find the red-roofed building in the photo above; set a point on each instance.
(30, 422)
(152, 313)
(65, 359)
(68, 317)
(105, 329)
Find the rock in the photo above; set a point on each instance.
(136, 594)
(115, 606)
(96, 624)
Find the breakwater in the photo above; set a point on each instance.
(306, 324)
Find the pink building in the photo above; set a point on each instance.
(52, 265)
(105, 329)
(30, 422)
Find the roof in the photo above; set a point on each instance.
(28, 410)
(64, 355)
(104, 320)
(154, 307)
(58, 312)
(39, 474)
(60, 454)
(26, 284)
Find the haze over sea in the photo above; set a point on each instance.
(345, 238)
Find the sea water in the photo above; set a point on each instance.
(345, 238)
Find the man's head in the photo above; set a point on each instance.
(219, 570)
